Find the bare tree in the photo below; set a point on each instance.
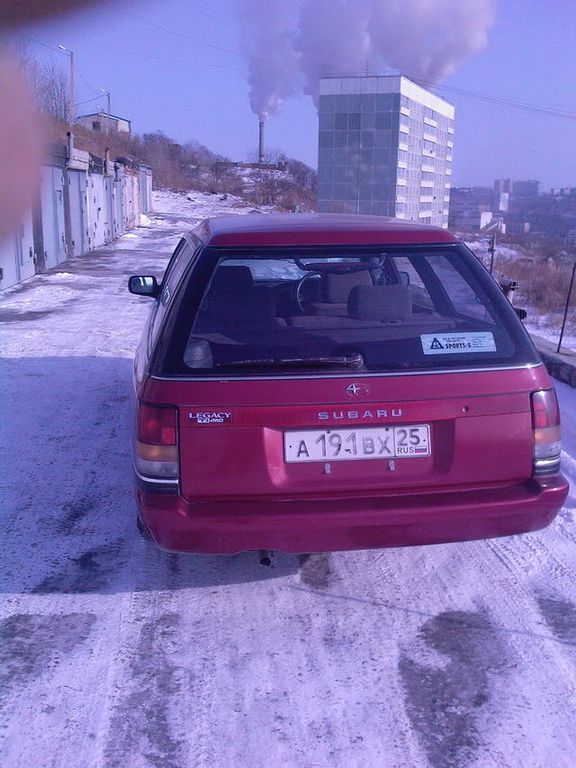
(47, 80)
(53, 93)
(29, 65)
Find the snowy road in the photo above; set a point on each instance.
(116, 655)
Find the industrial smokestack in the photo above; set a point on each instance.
(261, 141)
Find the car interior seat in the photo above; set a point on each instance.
(335, 290)
(235, 300)
(389, 303)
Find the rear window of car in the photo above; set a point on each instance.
(279, 311)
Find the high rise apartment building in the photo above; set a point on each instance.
(385, 148)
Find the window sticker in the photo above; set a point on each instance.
(457, 343)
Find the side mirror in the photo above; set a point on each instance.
(522, 314)
(144, 285)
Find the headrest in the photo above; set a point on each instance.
(380, 302)
(253, 307)
(232, 279)
(337, 287)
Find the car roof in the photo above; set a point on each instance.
(290, 229)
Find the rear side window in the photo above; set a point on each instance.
(174, 271)
(277, 311)
(465, 299)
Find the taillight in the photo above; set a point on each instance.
(546, 430)
(156, 453)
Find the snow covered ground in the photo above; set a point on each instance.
(113, 654)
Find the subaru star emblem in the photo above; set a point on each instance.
(354, 390)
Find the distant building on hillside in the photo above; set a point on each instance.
(503, 185)
(525, 189)
(502, 191)
(385, 147)
(509, 194)
(470, 208)
(517, 207)
(101, 122)
(563, 191)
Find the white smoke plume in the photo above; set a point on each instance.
(292, 43)
(439, 34)
(273, 72)
(333, 38)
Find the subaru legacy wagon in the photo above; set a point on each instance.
(311, 383)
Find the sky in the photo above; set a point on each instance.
(179, 66)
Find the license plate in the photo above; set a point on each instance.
(365, 443)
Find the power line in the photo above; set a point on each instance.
(195, 40)
(502, 101)
(140, 55)
(59, 51)
(499, 100)
(211, 16)
(44, 45)
(494, 99)
(220, 20)
(87, 101)
(92, 87)
(517, 104)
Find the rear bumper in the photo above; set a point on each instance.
(343, 524)
(228, 527)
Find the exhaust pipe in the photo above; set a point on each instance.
(266, 557)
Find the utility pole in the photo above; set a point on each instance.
(566, 307)
(71, 97)
(492, 250)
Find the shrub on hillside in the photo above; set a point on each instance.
(542, 282)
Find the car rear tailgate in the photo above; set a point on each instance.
(231, 433)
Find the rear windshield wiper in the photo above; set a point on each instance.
(346, 361)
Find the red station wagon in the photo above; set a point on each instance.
(312, 383)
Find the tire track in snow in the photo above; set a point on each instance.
(30, 644)
(140, 725)
(463, 577)
(161, 676)
(444, 700)
(362, 637)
